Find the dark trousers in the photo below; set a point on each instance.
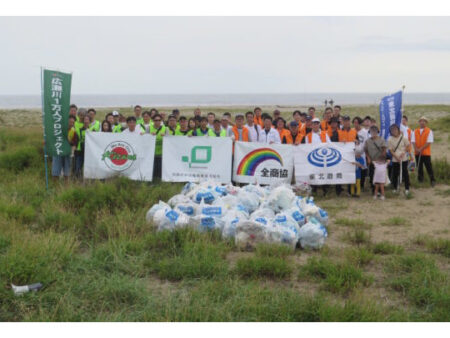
(371, 173)
(79, 161)
(364, 173)
(396, 174)
(420, 161)
(157, 167)
(324, 188)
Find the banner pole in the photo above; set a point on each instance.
(43, 125)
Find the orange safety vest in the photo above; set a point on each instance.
(421, 139)
(323, 136)
(244, 134)
(302, 128)
(258, 120)
(289, 140)
(347, 135)
(324, 125)
(283, 132)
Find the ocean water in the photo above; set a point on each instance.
(316, 99)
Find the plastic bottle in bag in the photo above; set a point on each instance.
(248, 234)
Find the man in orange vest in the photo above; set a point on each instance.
(240, 132)
(293, 136)
(347, 133)
(328, 114)
(316, 135)
(421, 140)
(258, 118)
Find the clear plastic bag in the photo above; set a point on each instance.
(178, 199)
(189, 208)
(249, 200)
(262, 212)
(151, 212)
(312, 235)
(248, 234)
(280, 198)
(207, 223)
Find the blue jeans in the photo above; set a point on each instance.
(61, 163)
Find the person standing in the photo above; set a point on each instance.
(159, 130)
(398, 145)
(312, 112)
(258, 117)
(183, 128)
(347, 133)
(316, 135)
(240, 132)
(355, 189)
(217, 130)
(80, 118)
(362, 135)
(375, 149)
(294, 136)
(328, 114)
(254, 130)
(63, 163)
(197, 112)
(337, 111)
(117, 127)
(171, 126)
(146, 117)
(95, 124)
(422, 138)
(281, 128)
(203, 129)
(211, 117)
(225, 124)
(133, 127)
(333, 132)
(106, 127)
(269, 135)
(81, 137)
(138, 114)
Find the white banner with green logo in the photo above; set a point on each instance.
(195, 159)
(263, 163)
(119, 154)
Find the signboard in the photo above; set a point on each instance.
(195, 159)
(263, 163)
(325, 163)
(119, 154)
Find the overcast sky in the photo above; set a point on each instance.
(177, 55)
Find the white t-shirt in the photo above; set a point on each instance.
(269, 137)
(254, 134)
(229, 130)
(430, 138)
(363, 135)
(316, 138)
(138, 130)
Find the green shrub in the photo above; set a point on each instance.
(357, 236)
(263, 267)
(20, 159)
(441, 170)
(21, 213)
(360, 256)
(439, 246)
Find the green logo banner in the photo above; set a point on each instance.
(55, 104)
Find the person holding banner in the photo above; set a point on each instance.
(80, 118)
(106, 127)
(254, 130)
(398, 145)
(269, 135)
(159, 131)
(133, 127)
(421, 140)
(171, 126)
(328, 114)
(334, 131)
(240, 132)
(73, 111)
(347, 133)
(281, 127)
(63, 163)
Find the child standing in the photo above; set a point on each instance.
(375, 148)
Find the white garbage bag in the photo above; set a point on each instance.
(227, 202)
(312, 235)
(212, 210)
(285, 221)
(262, 212)
(189, 208)
(229, 227)
(280, 198)
(207, 223)
(178, 199)
(249, 200)
(322, 216)
(151, 212)
(165, 219)
(204, 195)
(248, 234)
(297, 215)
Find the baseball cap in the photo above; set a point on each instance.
(115, 113)
(308, 117)
(293, 124)
(346, 118)
(315, 120)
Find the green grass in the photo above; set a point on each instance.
(340, 278)
(417, 277)
(98, 259)
(395, 221)
(263, 267)
(444, 193)
(357, 236)
(439, 246)
(386, 248)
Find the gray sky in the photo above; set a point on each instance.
(177, 55)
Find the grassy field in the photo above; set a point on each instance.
(98, 259)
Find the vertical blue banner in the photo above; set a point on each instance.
(390, 112)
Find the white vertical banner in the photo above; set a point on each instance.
(325, 163)
(263, 163)
(119, 154)
(195, 159)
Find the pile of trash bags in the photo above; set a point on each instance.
(250, 214)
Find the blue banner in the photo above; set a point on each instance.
(390, 112)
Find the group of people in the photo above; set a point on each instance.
(374, 157)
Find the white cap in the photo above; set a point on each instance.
(315, 120)
(115, 113)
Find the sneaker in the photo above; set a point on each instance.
(375, 197)
(382, 197)
(395, 191)
(406, 192)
